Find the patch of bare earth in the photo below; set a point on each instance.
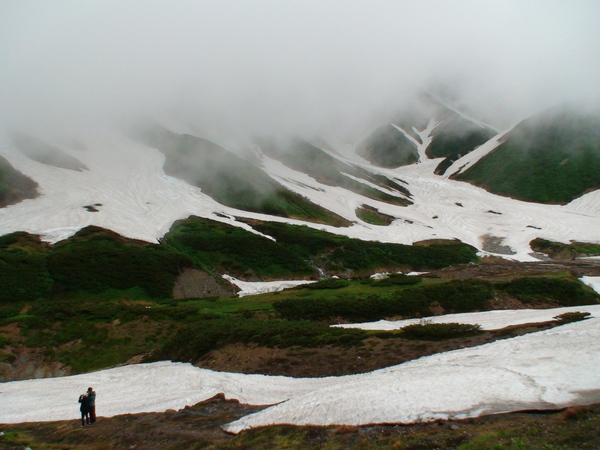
(375, 353)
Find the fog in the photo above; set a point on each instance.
(262, 66)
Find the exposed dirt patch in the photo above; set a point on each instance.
(496, 269)
(199, 427)
(194, 283)
(334, 361)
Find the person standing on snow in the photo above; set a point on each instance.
(85, 409)
(91, 395)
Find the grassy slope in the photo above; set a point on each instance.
(388, 147)
(558, 250)
(339, 254)
(14, 186)
(307, 158)
(230, 180)
(227, 249)
(96, 260)
(98, 331)
(553, 157)
(454, 136)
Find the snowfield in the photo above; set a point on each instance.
(544, 370)
(136, 199)
(133, 197)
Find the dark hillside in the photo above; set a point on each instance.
(97, 260)
(388, 147)
(304, 157)
(553, 157)
(14, 186)
(229, 179)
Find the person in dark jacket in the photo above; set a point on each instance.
(91, 395)
(85, 409)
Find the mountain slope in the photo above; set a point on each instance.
(553, 157)
(451, 136)
(229, 179)
(14, 186)
(139, 192)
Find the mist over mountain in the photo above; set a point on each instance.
(267, 67)
(359, 119)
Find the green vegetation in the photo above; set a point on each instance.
(224, 248)
(339, 254)
(373, 216)
(195, 340)
(307, 158)
(553, 157)
(406, 301)
(96, 260)
(454, 139)
(24, 273)
(388, 147)
(416, 300)
(14, 186)
(439, 331)
(329, 283)
(97, 298)
(231, 180)
(558, 250)
(558, 291)
(103, 264)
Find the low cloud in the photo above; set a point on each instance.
(265, 66)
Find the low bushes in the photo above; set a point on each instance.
(453, 296)
(439, 331)
(570, 317)
(196, 339)
(95, 260)
(559, 291)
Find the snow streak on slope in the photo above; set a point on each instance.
(474, 156)
(261, 287)
(424, 135)
(491, 320)
(137, 200)
(548, 369)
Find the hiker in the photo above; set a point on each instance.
(85, 409)
(91, 395)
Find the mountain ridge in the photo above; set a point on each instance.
(140, 192)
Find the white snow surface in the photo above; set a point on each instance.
(261, 287)
(139, 201)
(489, 320)
(548, 369)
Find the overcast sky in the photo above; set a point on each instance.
(277, 64)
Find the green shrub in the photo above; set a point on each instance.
(439, 331)
(233, 250)
(559, 291)
(23, 273)
(574, 316)
(342, 253)
(552, 157)
(96, 260)
(200, 337)
(330, 283)
(454, 296)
